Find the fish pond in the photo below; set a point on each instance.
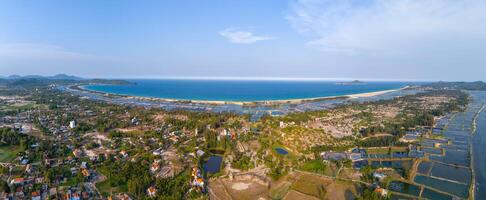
(213, 164)
(404, 188)
(281, 151)
(460, 190)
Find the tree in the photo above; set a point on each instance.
(4, 186)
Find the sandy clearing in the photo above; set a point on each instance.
(240, 186)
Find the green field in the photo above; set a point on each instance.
(20, 106)
(9, 153)
(106, 189)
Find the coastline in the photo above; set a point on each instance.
(242, 103)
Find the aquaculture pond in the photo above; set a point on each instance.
(424, 167)
(404, 188)
(433, 195)
(393, 164)
(213, 164)
(460, 190)
(432, 150)
(395, 196)
(281, 151)
(479, 144)
(454, 173)
(454, 157)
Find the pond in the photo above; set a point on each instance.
(452, 173)
(424, 167)
(433, 195)
(454, 157)
(405, 188)
(281, 151)
(213, 164)
(460, 190)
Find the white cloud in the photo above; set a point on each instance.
(237, 36)
(398, 27)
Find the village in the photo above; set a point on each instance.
(56, 145)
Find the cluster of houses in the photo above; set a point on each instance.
(21, 122)
(359, 156)
(27, 185)
(197, 179)
(354, 155)
(226, 133)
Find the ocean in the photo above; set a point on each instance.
(241, 90)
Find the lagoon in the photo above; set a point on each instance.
(241, 90)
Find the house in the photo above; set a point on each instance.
(379, 176)
(166, 172)
(77, 153)
(333, 156)
(75, 196)
(124, 153)
(224, 132)
(409, 138)
(72, 124)
(24, 161)
(84, 165)
(19, 193)
(28, 168)
(135, 121)
(355, 156)
(151, 191)
(74, 170)
(36, 195)
(154, 167)
(17, 181)
(381, 191)
(85, 172)
(199, 152)
(39, 180)
(53, 191)
(157, 152)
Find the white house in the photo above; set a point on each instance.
(72, 124)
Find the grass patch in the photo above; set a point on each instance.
(20, 106)
(385, 150)
(310, 186)
(315, 166)
(106, 189)
(9, 153)
(280, 192)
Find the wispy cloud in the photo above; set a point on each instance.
(390, 26)
(38, 51)
(237, 36)
(46, 59)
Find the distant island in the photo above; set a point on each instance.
(355, 82)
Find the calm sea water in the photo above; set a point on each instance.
(241, 90)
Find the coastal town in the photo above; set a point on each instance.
(58, 144)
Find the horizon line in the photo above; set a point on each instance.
(248, 78)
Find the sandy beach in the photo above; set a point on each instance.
(371, 94)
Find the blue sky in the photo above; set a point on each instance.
(356, 39)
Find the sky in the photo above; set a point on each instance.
(348, 39)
